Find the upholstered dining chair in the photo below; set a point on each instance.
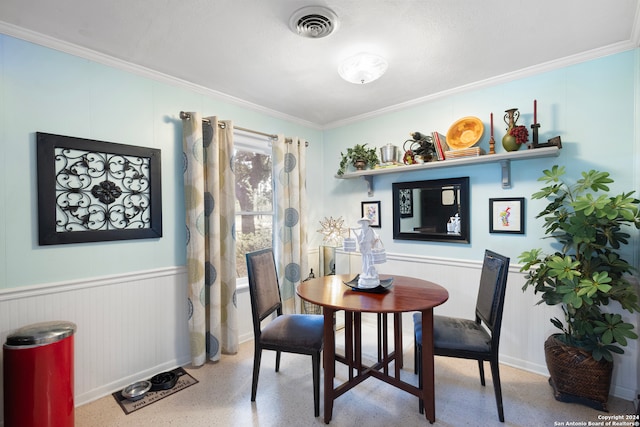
(290, 333)
(469, 339)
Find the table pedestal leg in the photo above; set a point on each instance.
(428, 388)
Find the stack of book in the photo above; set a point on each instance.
(465, 152)
(443, 152)
(440, 144)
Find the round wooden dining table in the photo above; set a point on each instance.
(406, 294)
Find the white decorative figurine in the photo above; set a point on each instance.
(368, 240)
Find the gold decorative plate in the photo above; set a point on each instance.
(464, 133)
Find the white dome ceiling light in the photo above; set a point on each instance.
(363, 68)
(314, 22)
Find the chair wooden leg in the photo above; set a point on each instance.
(278, 361)
(257, 356)
(495, 373)
(481, 367)
(315, 360)
(418, 368)
(415, 355)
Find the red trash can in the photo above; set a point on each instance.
(38, 376)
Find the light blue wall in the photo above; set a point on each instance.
(43, 90)
(593, 106)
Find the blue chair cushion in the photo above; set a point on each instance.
(455, 334)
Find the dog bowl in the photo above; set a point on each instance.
(163, 381)
(136, 391)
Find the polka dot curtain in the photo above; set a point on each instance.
(290, 237)
(209, 212)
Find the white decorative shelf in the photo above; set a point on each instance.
(503, 158)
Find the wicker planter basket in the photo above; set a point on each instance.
(576, 377)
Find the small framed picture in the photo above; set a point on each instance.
(371, 210)
(406, 202)
(506, 215)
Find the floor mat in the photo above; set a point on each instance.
(184, 380)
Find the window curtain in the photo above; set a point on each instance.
(290, 237)
(209, 192)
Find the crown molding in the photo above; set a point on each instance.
(110, 61)
(635, 31)
(493, 81)
(72, 49)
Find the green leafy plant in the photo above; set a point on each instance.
(356, 153)
(587, 272)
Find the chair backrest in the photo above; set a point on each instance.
(263, 286)
(493, 284)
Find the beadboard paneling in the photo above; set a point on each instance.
(129, 327)
(525, 325)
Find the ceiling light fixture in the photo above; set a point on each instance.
(362, 68)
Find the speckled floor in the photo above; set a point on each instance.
(222, 398)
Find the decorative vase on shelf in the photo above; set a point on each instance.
(509, 141)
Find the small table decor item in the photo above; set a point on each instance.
(371, 250)
(384, 286)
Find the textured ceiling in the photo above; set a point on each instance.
(245, 51)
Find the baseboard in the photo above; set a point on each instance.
(616, 391)
(624, 393)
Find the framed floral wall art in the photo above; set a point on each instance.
(506, 215)
(371, 210)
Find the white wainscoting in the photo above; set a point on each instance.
(525, 325)
(129, 327)
(133, 326)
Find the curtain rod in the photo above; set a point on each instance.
(187, 116)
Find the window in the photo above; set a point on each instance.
(254, 197)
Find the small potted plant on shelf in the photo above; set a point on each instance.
(359, 156)
(585, 274)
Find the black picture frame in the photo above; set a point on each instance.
(371, 210)
(507, 215)
(440, 210)
(93, 191)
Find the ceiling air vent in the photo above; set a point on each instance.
(313, 22)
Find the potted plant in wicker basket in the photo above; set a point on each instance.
(584, 274)
(359, 156)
